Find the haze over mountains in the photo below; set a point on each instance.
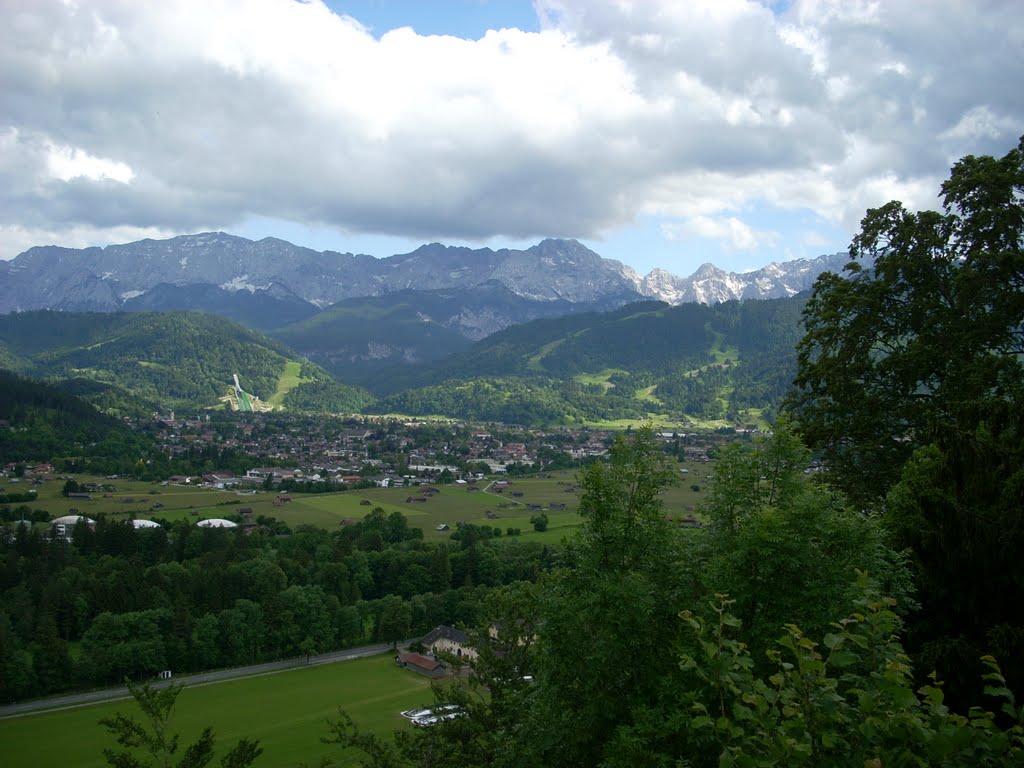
(276, 283)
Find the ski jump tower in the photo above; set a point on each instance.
(242, 397)
(243, 401)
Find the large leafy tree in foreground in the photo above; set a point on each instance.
(911, 384)
(921, 334)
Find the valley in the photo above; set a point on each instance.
(584, 517)
(535, 384)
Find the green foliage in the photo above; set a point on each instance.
(606, 615)
(537, 372)
(849, 701)
(45, 422)
(922, 330)
(327, 397)
(514, 400)
(394, 621)
(911, 385)
(624, 527)
(127, 644)
(153, 737)
(596, 651)
(785, 545)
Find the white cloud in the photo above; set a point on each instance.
(18, 239)
(67, 163)
(731, 233)
(814, 239)
(187, 114)
(979, 123)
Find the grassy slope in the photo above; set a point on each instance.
(286, 711)
(288, 381)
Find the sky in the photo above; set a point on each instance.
(662, 134)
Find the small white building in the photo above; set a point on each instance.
(65, 526)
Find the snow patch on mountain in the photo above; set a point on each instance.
(241, 283)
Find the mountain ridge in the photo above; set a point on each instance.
(113, 277)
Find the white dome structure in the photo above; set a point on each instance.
(72, 520)
(216, 522)
(144, 524)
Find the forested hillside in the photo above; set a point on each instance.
(733, 360)
(42, 421)
(161, 360)
(692, 360)
(356, 339)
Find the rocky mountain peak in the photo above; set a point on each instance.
(52, 277)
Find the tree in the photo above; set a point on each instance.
(50, 658)
(126, 644)
(394, 621)
(608, 615)
(304, 620)
(440, 569)
(910, 383)
(921, 334)
(153, 736)
(17, 679)
(848, 702)
(786, 546)
(539, 522)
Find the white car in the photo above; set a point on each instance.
(419, 712)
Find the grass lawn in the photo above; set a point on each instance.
(286, 711)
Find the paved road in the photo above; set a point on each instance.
(206, 678)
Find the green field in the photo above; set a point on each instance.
(286, 711)
(452, 504)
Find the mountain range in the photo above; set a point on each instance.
(553, 331)
(278, 282)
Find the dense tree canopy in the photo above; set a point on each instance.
(920, 338)
(625, 655)
(911, 385)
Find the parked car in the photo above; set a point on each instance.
(412, 714)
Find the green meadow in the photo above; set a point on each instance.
(286, 711)
(452, 504)
(290, 378)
